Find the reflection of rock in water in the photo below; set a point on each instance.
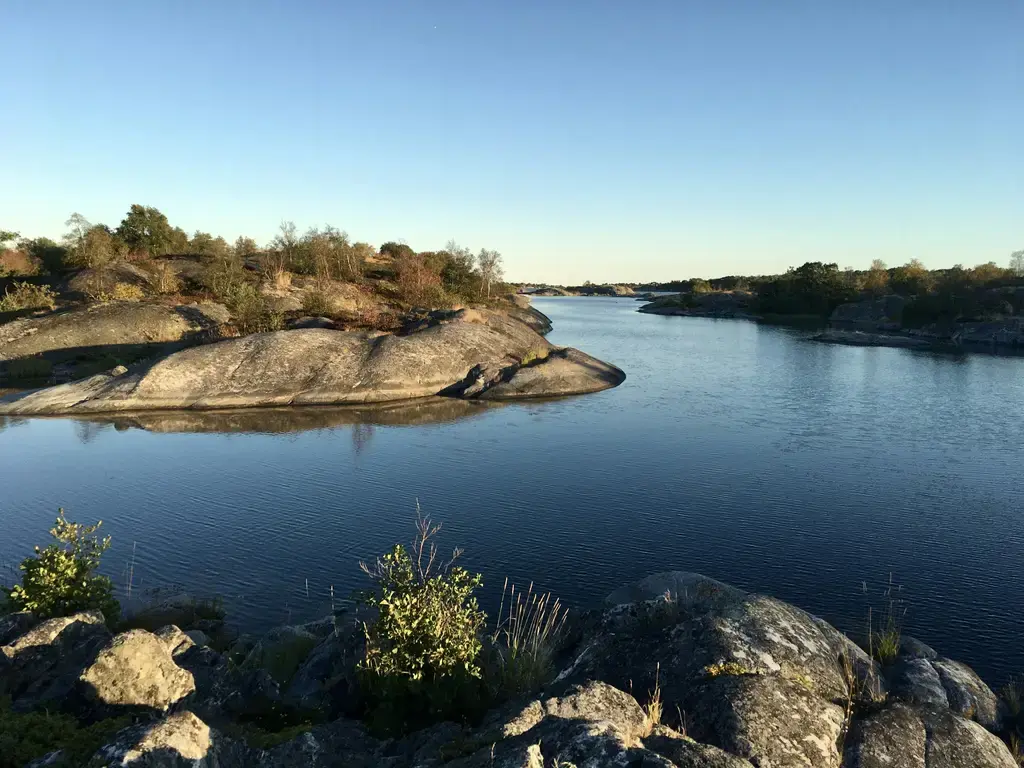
(361, 436)
(281, 420)
(86, 431)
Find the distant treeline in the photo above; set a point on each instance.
(817, 288)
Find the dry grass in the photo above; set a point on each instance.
(22, 296)
(527, 637)
(126, 292)
(654, 708)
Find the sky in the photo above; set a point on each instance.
(604, 141)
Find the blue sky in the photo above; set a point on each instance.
(584, 140)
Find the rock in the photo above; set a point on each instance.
(198, 637)
(177, 642)
(905, 736)
(319, 367)
(916, 681)
(680, 586)
(684, 752)
(281, 652)
(312, 322)
(912, 648)
(326, 679)
(967, 694)
(41, 670)
(47, 631)
(562, 372)
(871, 315)
(864, 339)
(118, 325)
(15, 625)
(137, 670)
(180, 740)
(340, 744)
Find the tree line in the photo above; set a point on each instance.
(817, 288)
(145, 234)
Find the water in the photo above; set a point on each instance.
(741, 451)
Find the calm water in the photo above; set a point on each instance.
(744, 452)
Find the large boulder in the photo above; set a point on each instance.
(320, 367)
(137, 670)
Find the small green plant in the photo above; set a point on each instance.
(526, 638)
(420, 662)
(884, 643)
(61, 579)
(20, 296)
(30, 735)
(251, 311)
(317, 303)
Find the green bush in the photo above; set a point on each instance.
(27, 736)
(28, 296)
(420, 663)
(251, 311)
(317, 303)
(61, 579)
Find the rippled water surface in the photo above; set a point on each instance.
(741, 451)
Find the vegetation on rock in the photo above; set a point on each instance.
(61, 578)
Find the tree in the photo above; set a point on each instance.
(206, 245)
(1017, 263)
(877, 280)
(245, 247)
(6, 236)
(698, 285)
(146, 230)
(48, 253)
(396, 250)
(989, 272)
(489, 263)
(912, 279)
(96, 247)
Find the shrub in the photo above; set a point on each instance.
(526, 639)
(126, 292)
(22, 296)
(251, 311)
(316, 302)
(30, 735)
(61, 579)
(420, 662)
(162, 278)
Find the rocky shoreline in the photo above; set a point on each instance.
(469, 353)
(742, 680)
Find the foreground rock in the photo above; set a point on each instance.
(464, 356)
(118, 329)
(745, 681)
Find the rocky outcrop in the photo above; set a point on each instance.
(744, 681)
(322, 367)
(115, 328)
(720, 304)
(872, 315)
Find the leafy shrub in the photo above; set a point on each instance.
(162, 278)
(27, 736)
(126, 292)
(421, 653)
(61, 579)
(317, 303)
(28, 296)
(251, 311)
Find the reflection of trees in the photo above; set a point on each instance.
(361, 436)
(86, 431)
(11, 421)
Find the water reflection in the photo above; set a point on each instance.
(275, 421)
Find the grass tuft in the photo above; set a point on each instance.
(527, 638)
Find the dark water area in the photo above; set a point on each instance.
(803, 470)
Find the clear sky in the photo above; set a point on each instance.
(583, 139)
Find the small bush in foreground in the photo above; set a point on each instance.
(28, 296)
(27, 736)
(61, 579)
(421, 653)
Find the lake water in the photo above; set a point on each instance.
(807, 471)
